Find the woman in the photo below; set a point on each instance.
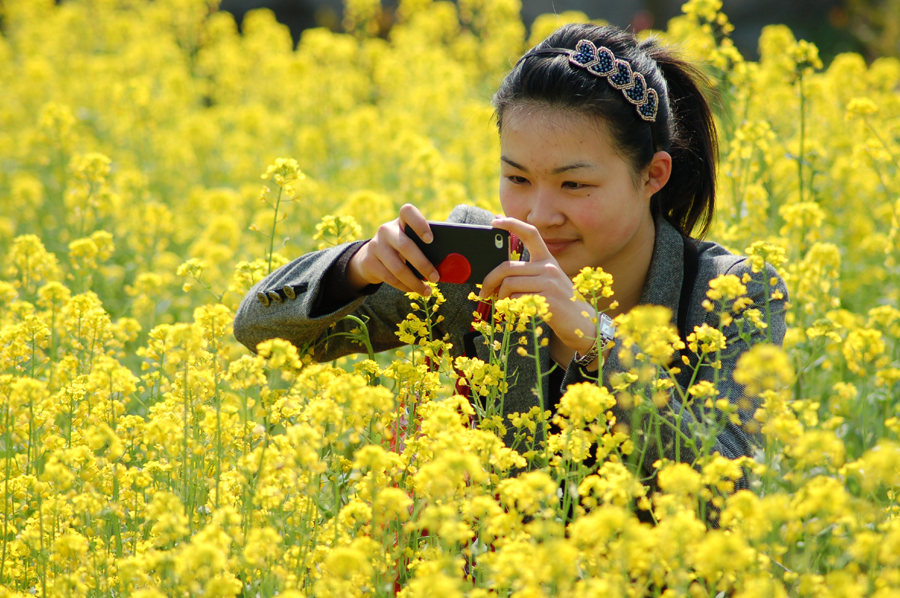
(608, 152)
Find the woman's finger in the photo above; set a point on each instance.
(410, 214)
(407, 248)
(395, 265)
(529, 235)
(392, 280)
(496, 276)
(516, 286)
(408, 251)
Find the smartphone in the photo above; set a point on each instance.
(462, 252)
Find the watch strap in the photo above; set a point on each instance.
(607, 334)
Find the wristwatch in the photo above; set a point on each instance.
(607, 333)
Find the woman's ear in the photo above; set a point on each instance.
(658, 173)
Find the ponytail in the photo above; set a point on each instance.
(688, 199)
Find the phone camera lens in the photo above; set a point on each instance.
(498, 241)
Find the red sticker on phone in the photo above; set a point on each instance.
(454, 268)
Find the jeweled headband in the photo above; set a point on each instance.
(601, 62)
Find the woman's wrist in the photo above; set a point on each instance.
(355, 277)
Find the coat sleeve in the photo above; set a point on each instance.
(734, 440)
(280, 306)
(290, 293)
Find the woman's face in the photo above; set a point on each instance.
(560, 174)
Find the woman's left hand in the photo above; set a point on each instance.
(542, 276)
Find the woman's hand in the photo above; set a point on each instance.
(542, 276)
(384, 257)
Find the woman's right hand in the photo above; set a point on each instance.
(383, 258)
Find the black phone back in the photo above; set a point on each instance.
(463, 253)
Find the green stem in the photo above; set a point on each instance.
(42, 557)
(274, 224)
(185, 457)
(251, 494)
(218, 402)
(25, 273)
(84, 211)
(802, 135)
(363, 336)
(874, 132)
(7, 441)
(539, 389)
(53, 342)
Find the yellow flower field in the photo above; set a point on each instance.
(155, 164)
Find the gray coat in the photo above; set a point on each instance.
(289, 319)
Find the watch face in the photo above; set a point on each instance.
(607, 328)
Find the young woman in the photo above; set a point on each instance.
(608, 151)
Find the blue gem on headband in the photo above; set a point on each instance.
(601, 62)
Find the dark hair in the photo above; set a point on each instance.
(684, 124)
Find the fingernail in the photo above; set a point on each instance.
(434, 277)
(428, 237)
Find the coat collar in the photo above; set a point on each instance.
(666, 273)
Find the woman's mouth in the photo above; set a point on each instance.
(555, 246)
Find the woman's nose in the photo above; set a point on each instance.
(544, 211)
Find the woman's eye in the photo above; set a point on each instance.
(518, 180)
(572, 185)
